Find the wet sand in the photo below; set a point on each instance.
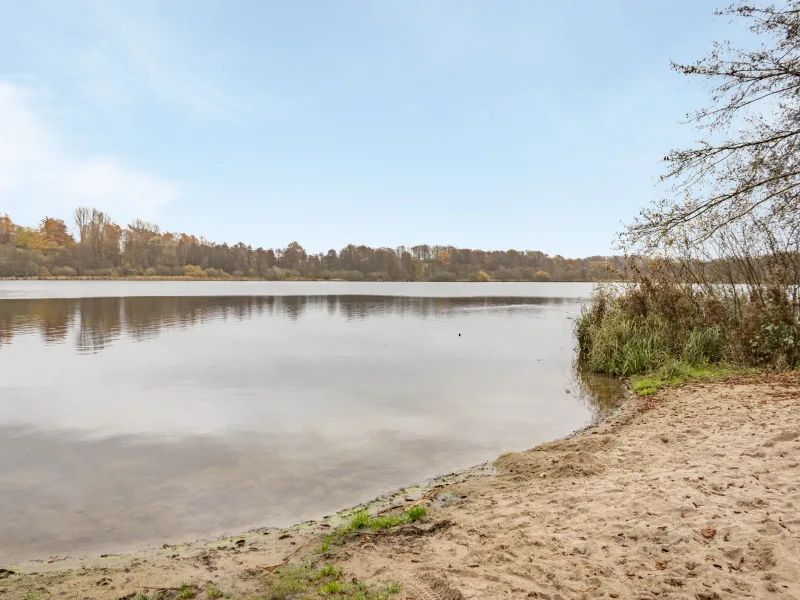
(691, 493)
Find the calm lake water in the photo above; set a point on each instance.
(136, 413)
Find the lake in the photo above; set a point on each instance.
(138, 413)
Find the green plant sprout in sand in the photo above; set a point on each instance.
(362, 520)
(305, 582)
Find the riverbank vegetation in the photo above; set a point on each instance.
(654, 325)
(100, 248)
(723, 287)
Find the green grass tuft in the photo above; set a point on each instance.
(361, 520)
(673, 373)
(415, 513)
(379, 523)
(289, 582)
(329, 571)
(333, 587)
(394, 588)
(294, 583)
(214, 593)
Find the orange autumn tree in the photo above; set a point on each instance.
(6, 229)
(53, 234)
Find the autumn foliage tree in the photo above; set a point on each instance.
(6, 229)
(53, 235)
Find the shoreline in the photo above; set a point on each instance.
(379, 503)
(136, 550)
(689, 492)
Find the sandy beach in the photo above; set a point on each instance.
(693, 492)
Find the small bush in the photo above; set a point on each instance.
(443, 276)
(217, 273)
(166, 271)
(195, 271)
(102, 272)
(150, 272)
(352, 275)
(481, 276)
(63, 271)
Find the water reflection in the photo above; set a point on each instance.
(99, 322)
(163, 419)
(600, 393)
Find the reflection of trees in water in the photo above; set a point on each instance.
(99, 322)
(601, 394)
(52, 320)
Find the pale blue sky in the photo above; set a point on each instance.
(480, 124)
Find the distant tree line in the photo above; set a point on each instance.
(100, 247)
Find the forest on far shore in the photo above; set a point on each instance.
(99, 247)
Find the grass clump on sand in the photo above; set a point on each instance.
(214, 592)
(673, 373)
(305, 582)
(362, 520)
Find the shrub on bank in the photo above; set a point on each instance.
(640, 329)
(443, 276)
(343, 275)
(217, 273)
(63, 272)
(195, 271)
(165, 271)
(103, 272)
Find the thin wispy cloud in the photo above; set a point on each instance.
(141, 46)
(40, 174)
